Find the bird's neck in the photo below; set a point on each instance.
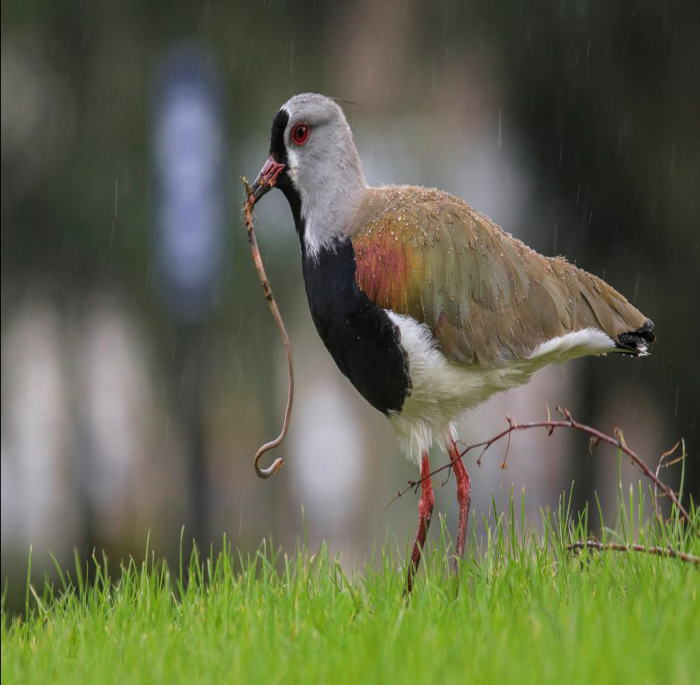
(323, 214)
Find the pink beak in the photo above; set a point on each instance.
(266, 178)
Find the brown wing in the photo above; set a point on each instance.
(486, 296)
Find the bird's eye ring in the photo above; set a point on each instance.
(300, 134)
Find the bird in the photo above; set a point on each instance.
(425, 304)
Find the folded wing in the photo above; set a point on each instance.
(486, 296)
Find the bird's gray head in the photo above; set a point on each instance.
(313, 161)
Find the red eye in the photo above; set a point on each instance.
(300, 134)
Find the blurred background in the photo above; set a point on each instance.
(140, 366)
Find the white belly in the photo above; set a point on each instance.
(443, 390)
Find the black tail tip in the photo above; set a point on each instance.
(638, 342)
(647, 331)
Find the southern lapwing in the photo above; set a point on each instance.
(425, 304)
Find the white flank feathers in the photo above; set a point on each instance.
(577, 344)
(443, 390)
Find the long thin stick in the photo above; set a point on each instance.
(617, 547)
(267, 291)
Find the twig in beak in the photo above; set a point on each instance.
(267, 291)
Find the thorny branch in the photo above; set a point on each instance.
(267, 291)
(617, 440)
(618, 547)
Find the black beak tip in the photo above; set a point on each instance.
(258, 189)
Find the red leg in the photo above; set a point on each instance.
(425, 511)
(463, 498)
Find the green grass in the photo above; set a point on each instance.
(523, 609)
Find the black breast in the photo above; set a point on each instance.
(360, 336)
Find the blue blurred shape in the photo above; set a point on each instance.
(189, 175)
